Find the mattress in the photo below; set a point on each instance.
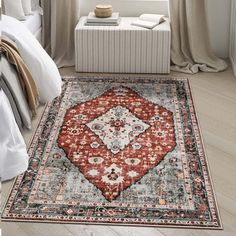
(33, 22)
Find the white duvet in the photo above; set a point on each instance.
(40, 64)
(13, 154)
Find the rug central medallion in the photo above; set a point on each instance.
(116, 138)
(117, 128)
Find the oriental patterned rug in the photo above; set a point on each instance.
(117, 150)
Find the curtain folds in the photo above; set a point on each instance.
(59, 20)
(190, 47)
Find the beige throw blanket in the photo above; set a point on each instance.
(28, 85)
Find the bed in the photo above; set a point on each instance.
(14, 158)
(27, 37)
(34, 24)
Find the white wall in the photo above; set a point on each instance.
(233, 36)
(127, 7)
(218, 16)
(219, 25)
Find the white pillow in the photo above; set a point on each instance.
(35, 4)
(39, 63)
(14, 8)
(26, 4)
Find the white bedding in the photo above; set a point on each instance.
(38, 35)
(43, 69)
(33, 22)
(14, 157)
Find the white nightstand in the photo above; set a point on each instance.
(122, 49)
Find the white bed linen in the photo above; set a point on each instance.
(38, 35)
(13, 153)
(13, 157)
(33, 22)
(42, 67)
(14, 8)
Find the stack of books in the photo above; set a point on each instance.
(113, 20)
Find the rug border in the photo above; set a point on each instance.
(206, 157)
(113, 224)
(28, 145)
(125, 76)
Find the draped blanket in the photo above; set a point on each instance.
(10, 83)
(27, 83)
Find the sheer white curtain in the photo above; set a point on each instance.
(190, 47)
(59, 21)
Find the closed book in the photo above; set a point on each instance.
(102, 23)
(93, 19)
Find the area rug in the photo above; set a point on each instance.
(117, 150)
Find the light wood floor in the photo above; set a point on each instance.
(215, 102)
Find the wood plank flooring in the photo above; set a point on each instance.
(214, 97)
